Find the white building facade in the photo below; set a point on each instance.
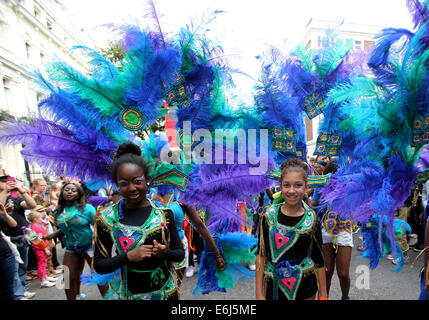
(32, 32)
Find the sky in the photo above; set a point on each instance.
(245, 28)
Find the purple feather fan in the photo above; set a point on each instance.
(347, 193)
(418, 11)
(218, 188)
(56, 150)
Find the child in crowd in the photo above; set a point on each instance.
(54, 193)
(47, 225)
(35, 218)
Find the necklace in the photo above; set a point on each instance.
(68, 214)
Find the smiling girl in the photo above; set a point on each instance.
(145, 237)
(289, 264)
(74, 218)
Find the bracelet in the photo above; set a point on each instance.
(22, 193)
(323, 298)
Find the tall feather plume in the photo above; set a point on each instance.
(329, 57)
(204, 73)
(277, 107)
(149, 95)
(75, 113)
(104, 97)
(380, 114)
(419, 11)
(154, 14)
(102, 69)
(55, 149)
(383, 43)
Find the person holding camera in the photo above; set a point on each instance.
(16, 200)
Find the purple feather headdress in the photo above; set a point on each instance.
(56, 150)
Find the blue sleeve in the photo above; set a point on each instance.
(316, 195)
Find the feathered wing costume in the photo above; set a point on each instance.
(385, 119)
(79, 121)
(311, 75)
(295, 86)
(367, 121)
(85, 118)
(279, 110)
(221, 174)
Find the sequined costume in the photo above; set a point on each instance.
(333, 226)
(149, 279)
(292, 250)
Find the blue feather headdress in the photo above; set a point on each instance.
(385, 120)
(89, 109)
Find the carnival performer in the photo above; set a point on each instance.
(179, 209)
(425, 276)
(79, 127)
(145, 236)
(337, 235)
(289, 263)
(74, 218)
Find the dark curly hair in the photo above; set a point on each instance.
(129, 152)
(82, 200)
(295, 165)
(331, 167)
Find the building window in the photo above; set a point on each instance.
(367, 45)
(7, 94)
(358, 45)
(39, 97)
(349, 43)
(28, 50)
(49, 25)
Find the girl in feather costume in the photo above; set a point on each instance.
(385, 120)
(166, 196)
(218, 178)
(290, 262)
(84, 112)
